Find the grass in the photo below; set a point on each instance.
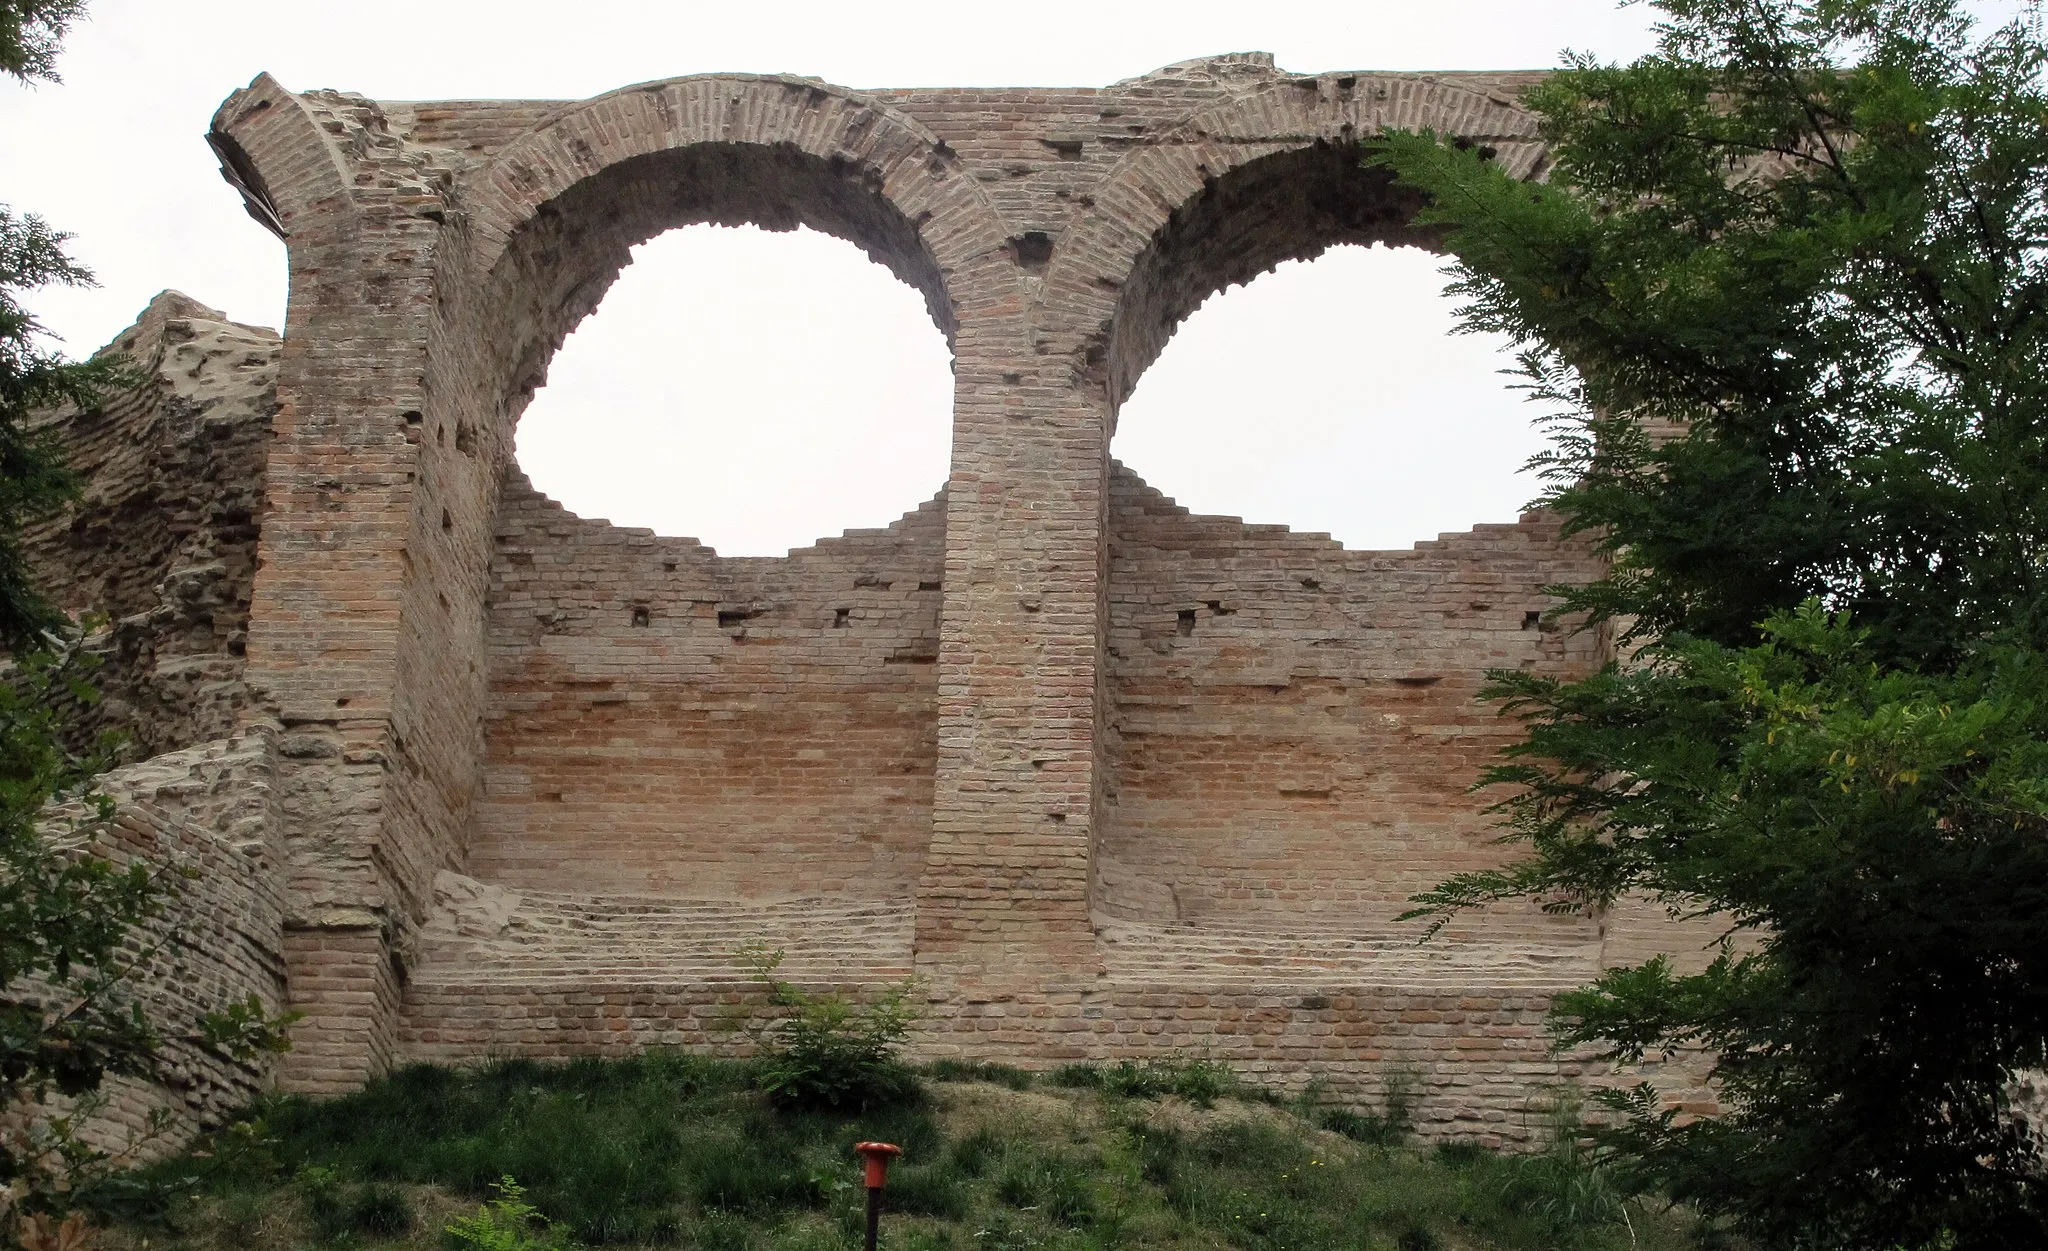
(674, 1150)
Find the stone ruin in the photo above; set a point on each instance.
(468, 774)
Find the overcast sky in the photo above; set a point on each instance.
(758, 391)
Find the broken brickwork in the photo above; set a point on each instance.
(1115, 781)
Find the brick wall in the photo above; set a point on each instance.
(667, 721)
(1116, 781)
(1295, 727)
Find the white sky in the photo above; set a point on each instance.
(758, 391)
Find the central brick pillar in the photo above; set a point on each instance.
(1004, 896)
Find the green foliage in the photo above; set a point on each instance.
(69, 942)
(619, 1151)
(1807, 230)
(979, 1071)
(33, 479)
(1803, 239)
(507, 1223)
(1200, 1082)
(670, 1149)
(30, 33)
(65, 916)
(828, 1051)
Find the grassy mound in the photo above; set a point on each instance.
(669, 1149)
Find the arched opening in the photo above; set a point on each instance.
(1335, 396)
(1294, 723)
(750, 740)
(752, 390)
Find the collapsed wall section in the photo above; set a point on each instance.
(162, 540)
(666, 721)
(161, 547)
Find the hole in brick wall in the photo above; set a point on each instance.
(1032, 251)
(1334, 395)
(755, 390)
(641, 617)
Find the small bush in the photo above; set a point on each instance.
(826, 1051)
(321, 1193)
(506, 1223)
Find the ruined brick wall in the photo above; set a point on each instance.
(162, 541)
(162, 544)
(206, 813)
(1294, 726)
(667, 721)
(1112, 780)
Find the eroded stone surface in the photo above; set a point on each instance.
(163, 541)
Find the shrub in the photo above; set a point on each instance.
(507, 1223)
(827, 1051)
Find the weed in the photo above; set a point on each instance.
(321, 1194)
(979, 1071)
(928, 1190)
(241, 1215)
(722, 1231)
(507, 1223)
(825, 1050)
(1374, 1131)
(1564, 1188)
(973, 1154)
(379, 1210)
(666, 1149)
(1417, 1238)
(1200, 1082)
(1047, 1182)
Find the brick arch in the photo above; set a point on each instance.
(1267, 176)
(275, 153)
(553, 215)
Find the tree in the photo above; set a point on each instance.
(31, 32)
(33, 480)
(69, 917)
(1786, 289)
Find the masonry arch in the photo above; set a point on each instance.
(1181, 219)
(1362, 812)
(658, 720)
